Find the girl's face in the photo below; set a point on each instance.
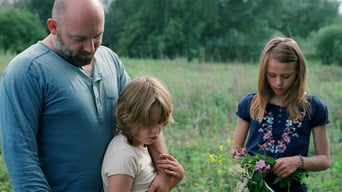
(280, 76)
(148, 135)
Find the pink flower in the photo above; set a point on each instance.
(260, 165)
(283, 148)
(286, 137)
(268, 167)
(267, 135)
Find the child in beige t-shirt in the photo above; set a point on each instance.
(144, 109)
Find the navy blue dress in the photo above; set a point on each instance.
(279, 136)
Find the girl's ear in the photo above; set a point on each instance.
(52, 25)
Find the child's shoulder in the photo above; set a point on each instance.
(315, 101)
(248, 97)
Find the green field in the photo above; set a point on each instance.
(205, 97)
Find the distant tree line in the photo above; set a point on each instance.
(207, 30)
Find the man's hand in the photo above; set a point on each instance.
(171, 166)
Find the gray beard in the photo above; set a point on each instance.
(68, 55)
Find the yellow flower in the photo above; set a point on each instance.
(212, 158)
(219, 162)
(230, 142)
(219, 172)
(221, 147)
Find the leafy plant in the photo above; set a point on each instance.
(252, 168)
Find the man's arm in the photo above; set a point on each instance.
(19, 120)
(172, 167)
(162, 180)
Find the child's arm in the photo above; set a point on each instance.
(172, 167)
(239, 138)
(120, 183)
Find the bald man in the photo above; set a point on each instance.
(57, 100)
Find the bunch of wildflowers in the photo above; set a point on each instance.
(251, 169)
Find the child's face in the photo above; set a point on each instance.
(148, 135)
(280, 76)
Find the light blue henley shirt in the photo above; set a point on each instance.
(56, 121)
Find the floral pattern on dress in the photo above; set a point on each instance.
(278, 145)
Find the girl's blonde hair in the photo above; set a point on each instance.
(135, 102)
(284, 50)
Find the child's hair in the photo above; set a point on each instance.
(134, 104)
(284, 50)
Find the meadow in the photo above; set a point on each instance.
(205, 99)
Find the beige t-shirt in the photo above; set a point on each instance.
(123, 158)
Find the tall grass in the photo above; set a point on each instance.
(205, 98)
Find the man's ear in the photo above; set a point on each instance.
(52, 25)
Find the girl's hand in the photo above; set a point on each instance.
(238, 152)
(286, 166)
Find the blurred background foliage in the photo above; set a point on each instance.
(205, 30)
